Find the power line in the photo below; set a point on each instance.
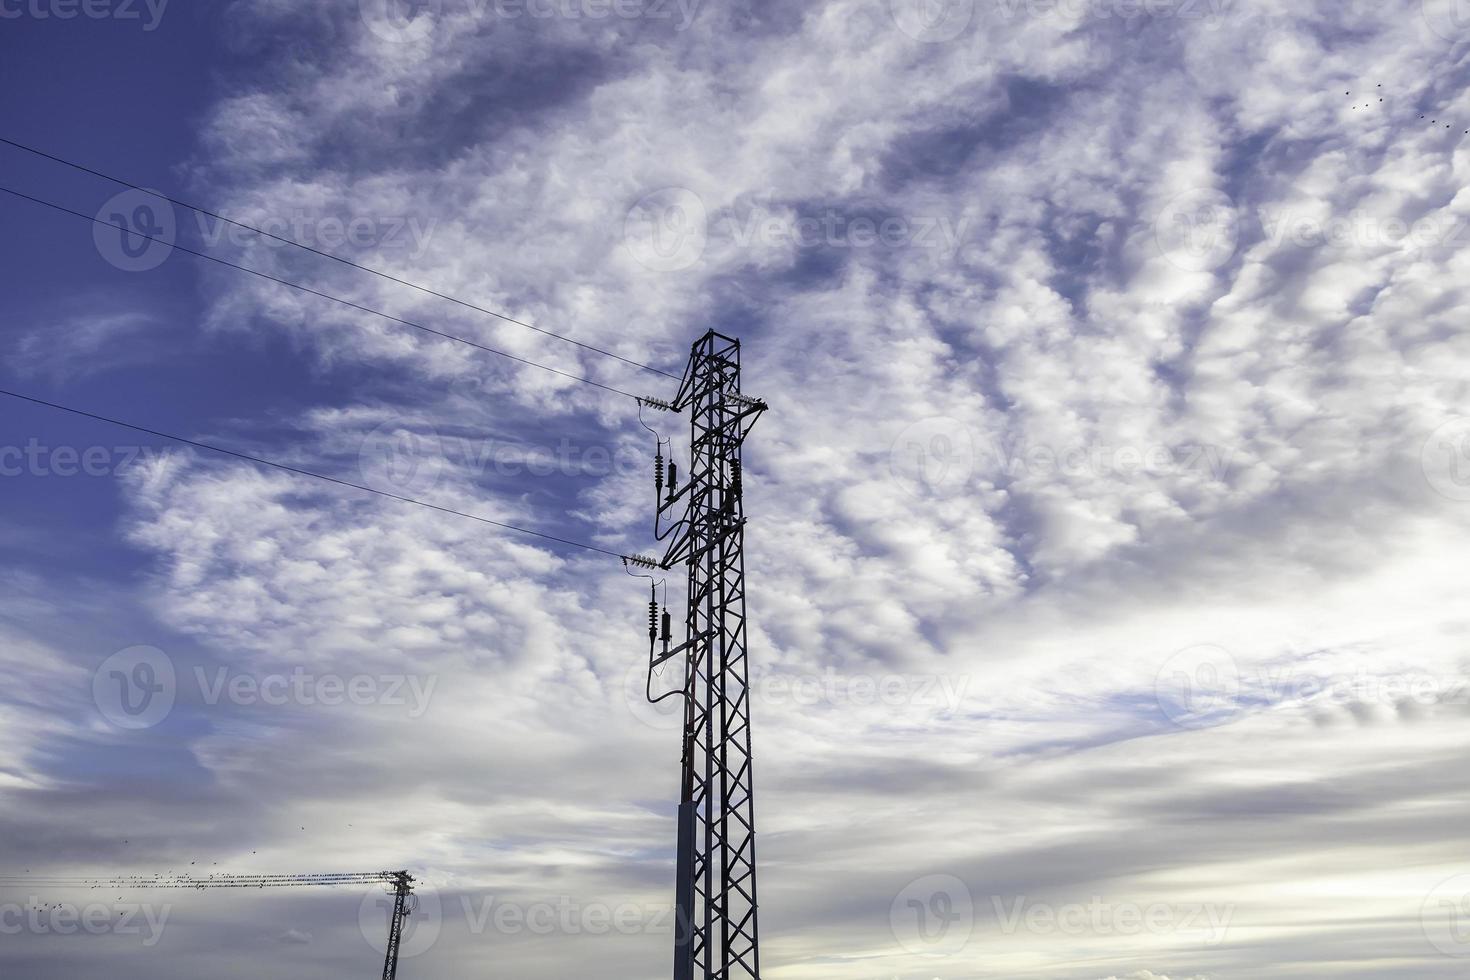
(301, 472)
(335, 258)
(315, 292)
(181, 880)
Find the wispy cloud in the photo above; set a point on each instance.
(1104, 575)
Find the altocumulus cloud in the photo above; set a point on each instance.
(1063, 422)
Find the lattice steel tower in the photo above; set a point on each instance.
(718, 936)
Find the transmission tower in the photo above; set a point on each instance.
(402, 894)
(400, 881)
(718, 937)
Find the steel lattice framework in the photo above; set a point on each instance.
(718, 935)
(402, 894)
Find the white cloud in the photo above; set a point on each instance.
(1014, 473)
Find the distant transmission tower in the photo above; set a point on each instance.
(718, 937)
(402, 909)
(400, 881)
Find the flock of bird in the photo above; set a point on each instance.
(168, 879)
(1370, 104)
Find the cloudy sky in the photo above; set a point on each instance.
(1106, 530)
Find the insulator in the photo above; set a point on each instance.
(735, 480)
(658, 472)
(653, 620)
(642, 561)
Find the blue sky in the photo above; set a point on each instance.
(1105, 528)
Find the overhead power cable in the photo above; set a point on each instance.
(315, 292)
(328, 255)
(181, 880)
(302, 472)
